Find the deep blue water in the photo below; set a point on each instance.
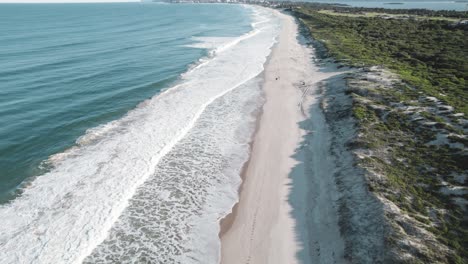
(67, 68)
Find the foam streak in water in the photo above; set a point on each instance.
(65, 214)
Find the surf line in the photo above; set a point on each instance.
(153, 164)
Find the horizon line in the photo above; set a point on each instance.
(66, 1)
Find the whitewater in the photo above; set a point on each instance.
(153, 185)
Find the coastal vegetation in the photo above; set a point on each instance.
(428, 54)
(346, 9)
(409, 95)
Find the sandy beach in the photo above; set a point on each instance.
(270, 223)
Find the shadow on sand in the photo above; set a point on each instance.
(337, 219)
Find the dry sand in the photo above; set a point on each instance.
(263, 227)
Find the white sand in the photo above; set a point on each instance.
(263, 228)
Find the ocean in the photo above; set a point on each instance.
(68, 68)
(124, 127)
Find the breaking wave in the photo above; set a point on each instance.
(153, 185)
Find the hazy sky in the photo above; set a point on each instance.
(65, 1)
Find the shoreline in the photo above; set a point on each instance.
(164, 156)
(233, 240)
(267, 222)
(226, 222)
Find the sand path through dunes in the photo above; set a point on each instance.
(263, 228)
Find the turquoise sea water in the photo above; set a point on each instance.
(67, 68)
(136, 120)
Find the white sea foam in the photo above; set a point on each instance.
(210, 43)
(173, 217)
(149, 187)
